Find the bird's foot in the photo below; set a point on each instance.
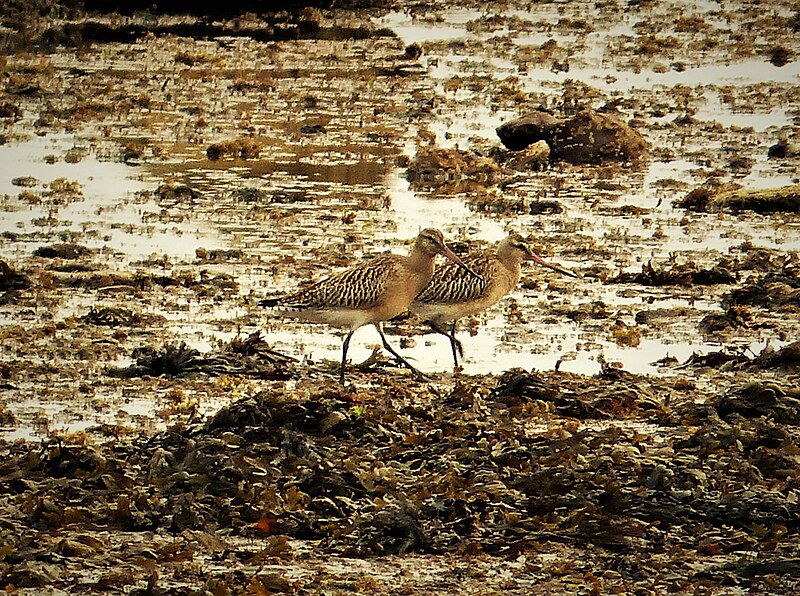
(419, 375)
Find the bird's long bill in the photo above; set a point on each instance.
(540, 261)
(446, 252)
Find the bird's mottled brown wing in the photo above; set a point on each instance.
(359, 287)
(450, 284)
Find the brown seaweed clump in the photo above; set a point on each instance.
(711, 198)
(680, 274)
(67, 251)
(250, 357)
(241, 148)
(435, 166)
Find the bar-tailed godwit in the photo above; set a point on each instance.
(451, 294)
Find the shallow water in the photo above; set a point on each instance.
(336, 197)
(109, 215)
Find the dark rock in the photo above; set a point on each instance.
(112, 317)
(585, 138)
(785, 199)
(734, 318)
(684, 274)
(250, 195)
(780, 56)
(532, 158)
(176, 193)
(10, 111)
(662, 316)
(243, 148)
(783, 149)
(718, 197)
(590, 137)
(27, 181)
(11, 280)
(522, 132)
(774, 291)
(546, 207)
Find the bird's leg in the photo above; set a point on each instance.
(345, 346)
(455, 345)
(397, 356)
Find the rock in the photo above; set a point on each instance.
(699, 198)
(546, 207)
(11, 279)
(780, 56)
(312, 129)
(773, 292)
(734, 317)
(412, 51)
(587, 137)
(681, 274)
(590, 136)
(10, 111)
(112, 316)
(175, 193)
(250, 195)
(783, 149)
(523, 132)
(242, 147)
(26, 181)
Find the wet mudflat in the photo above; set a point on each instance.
(632, 430)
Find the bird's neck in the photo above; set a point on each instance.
(513, 266)
(421, 264)
(511, 261)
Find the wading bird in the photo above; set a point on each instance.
(451, 294)
(369, 293)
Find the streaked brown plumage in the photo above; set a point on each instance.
(369, 293)
(451, 295)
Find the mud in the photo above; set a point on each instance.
(629, 431)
